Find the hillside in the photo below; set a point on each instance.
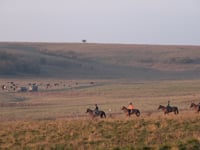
(87, 60)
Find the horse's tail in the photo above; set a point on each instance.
(103, 114)
(199, 108)
(137, 113)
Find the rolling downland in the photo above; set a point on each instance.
(102, 61)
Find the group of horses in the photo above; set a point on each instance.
(129, 112)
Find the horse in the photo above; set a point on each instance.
(195, 106)
(168, 109)
(93, 114)
(130, 112)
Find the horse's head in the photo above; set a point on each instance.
(123, 108)
(87, 110)
(160, 107)
(192, 105)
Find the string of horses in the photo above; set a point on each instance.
(136, 112)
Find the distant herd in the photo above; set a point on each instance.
(11, 86)
(34, 87)
(31, 87)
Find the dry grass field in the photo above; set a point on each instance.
(72, 77)
(141, 133)
(55, 118)
(73, 97)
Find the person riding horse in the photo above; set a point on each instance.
(96, 110)
(130, 107)
(169, 108)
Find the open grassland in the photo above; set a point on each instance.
(55, 118)
(159, 133)
(72, 99)
(111, 75)
(79, 75)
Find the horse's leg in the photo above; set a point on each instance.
(175, 112)
(128, 114)
(100, 114)
(104, 115)
(92, 116)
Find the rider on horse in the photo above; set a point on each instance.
(96, 110)
(169, 108)
(130, 107)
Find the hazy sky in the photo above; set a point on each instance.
(101, 21)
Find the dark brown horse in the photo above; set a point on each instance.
(130, 112)
(195, 107)
(94, 114)
(168, 109)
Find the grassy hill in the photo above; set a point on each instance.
(87, 60)
(103, 74)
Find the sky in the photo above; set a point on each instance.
(171, 22)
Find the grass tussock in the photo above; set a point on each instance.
(157, 133)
